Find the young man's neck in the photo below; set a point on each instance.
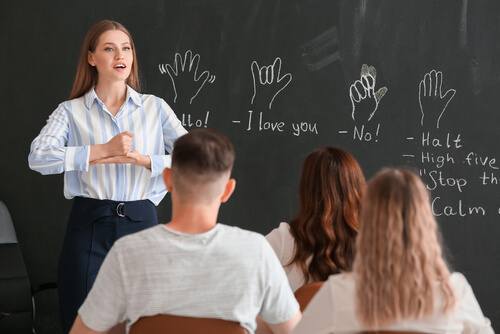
(193, 218)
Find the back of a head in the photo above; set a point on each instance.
(330, 191)
(398, 255)
(201, 164)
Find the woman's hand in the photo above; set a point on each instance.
(132, 157)
(120, 144)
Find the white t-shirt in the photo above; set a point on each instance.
(333, 310)
(281, 240)
(226, 273)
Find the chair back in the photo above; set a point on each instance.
(15, 288)
(390, 332)
(166, 323)
(7, 232)
(305, 293)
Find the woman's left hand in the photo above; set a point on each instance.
(132, 157)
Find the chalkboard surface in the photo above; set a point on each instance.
(399, 82)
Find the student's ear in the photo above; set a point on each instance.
(90, 59)
(167, 178)
(231, 184)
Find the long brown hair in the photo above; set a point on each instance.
(398, 259)
(330, 191)
(86, 75)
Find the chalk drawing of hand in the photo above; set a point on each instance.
(364, 99)
(184, 75)
(267, 81)
(431, 99)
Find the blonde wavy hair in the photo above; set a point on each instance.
(398, 257)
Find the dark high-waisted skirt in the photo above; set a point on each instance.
(93, 227)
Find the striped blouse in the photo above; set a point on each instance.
(63, 145)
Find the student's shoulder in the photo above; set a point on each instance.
(342, 282)
(460, 284)
(458, 278)
(252, 245)
(281, 231)
(283, 228)
(238, 232)
(145, 237)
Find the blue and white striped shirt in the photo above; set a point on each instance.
(63, 145)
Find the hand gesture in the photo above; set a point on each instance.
(364, 99)
(117, 151)
(187, 76)
(431, 98)
(120, 144)
(131, 157)
(269, 76)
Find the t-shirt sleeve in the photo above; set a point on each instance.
(474, 320)
(279, 303)
(318, 317)
(105, 304)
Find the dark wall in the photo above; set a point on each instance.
(436, 59)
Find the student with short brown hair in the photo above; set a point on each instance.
(192, 266)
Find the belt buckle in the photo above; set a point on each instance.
(118, 209)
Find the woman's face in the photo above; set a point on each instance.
(113, 56)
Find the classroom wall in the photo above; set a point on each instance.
(316, 56)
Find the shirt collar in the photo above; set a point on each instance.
(132, 95)
(89, 98)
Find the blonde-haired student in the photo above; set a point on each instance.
(400, 281)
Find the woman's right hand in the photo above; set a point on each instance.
(119, 145)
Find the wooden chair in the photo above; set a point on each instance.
(165, 323)
(305, 293)
(390, 332)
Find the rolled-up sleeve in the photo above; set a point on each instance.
(49, 153)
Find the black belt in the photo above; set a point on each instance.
(87, 210)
